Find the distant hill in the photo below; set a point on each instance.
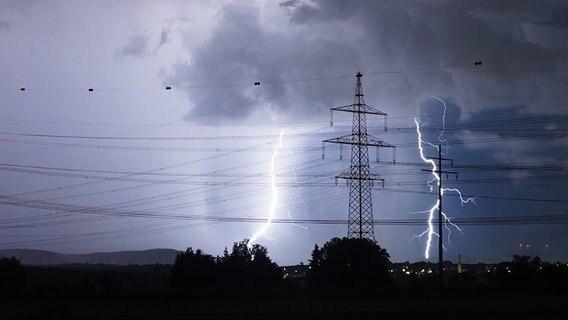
(41, 257)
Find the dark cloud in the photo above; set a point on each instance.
(340, 37)
(315, 12)
(446, 33)
(164, 36)
(140, 45)
(137, 46)
(240, 50)
(167, 30)
(289, 5)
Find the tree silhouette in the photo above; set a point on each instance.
(249, 268)
(555, 274)
(243, 268)
(349, 264)
(193, 271)
(521, 270)
(12, 275)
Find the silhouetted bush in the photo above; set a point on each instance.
(248, 268)
(555, 274)
(245, 268)
(88, 279)
(521, 271)
(193, 271)
(349, 263)
(12, 275)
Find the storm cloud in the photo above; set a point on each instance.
(428, 47)
(137, 46)
(214, 124)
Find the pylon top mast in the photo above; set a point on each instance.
(359, 177)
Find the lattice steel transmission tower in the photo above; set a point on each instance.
(360, 178)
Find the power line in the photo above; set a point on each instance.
(544, 219)
(244, 123)
(449, 127)
(483, 221)
(257, 82)
(496, 139)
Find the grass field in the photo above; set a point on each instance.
(398, 305)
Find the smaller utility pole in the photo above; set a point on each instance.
(440, 212)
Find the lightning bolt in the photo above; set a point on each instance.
(274, 203)
(429, 232)
(443, 124)
(305, 228)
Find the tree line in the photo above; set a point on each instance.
(341, 264)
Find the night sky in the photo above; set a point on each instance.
(132, 166)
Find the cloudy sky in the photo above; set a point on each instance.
(131, 165)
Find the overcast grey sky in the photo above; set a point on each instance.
(204, 147)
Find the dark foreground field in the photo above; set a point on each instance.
(424, 304)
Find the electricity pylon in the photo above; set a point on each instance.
(360, 177)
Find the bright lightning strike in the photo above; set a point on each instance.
(305, 228)
(429, 232)
(274, 203)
